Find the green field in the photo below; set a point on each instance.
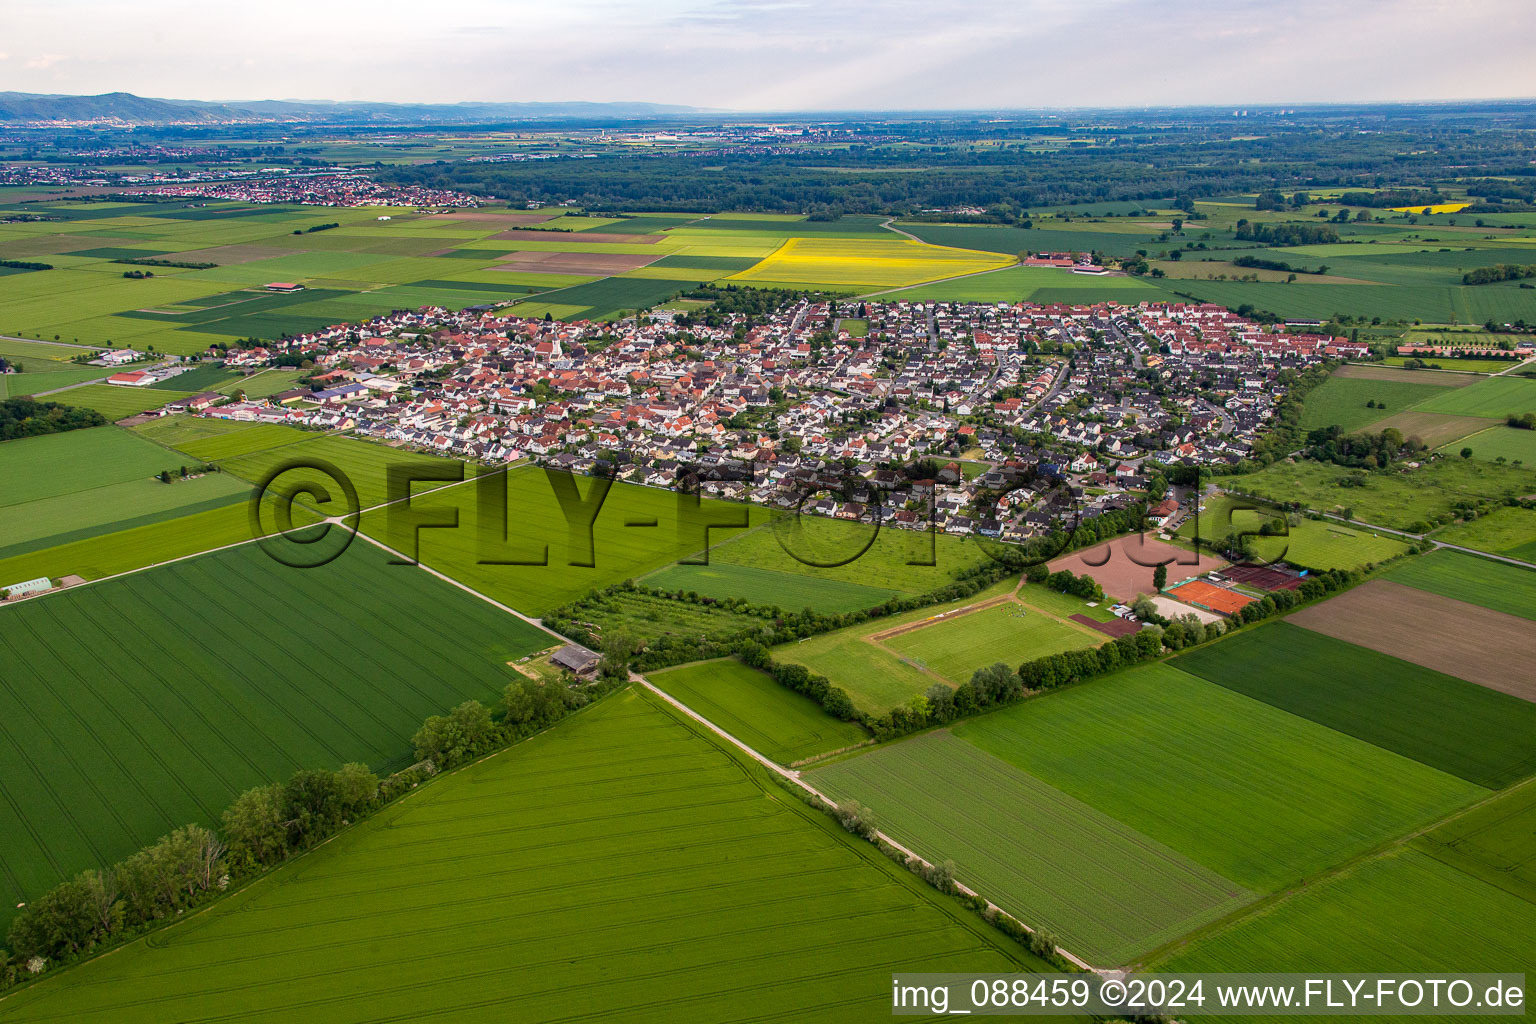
(104, 749)
(1492, 842)
(258, 437)
(130, 547)
(1480, 581)
(635, 531)
(769, 587)
(874, 677)
(1258, 795)
(771, 719)
(116, 403)
(1481, 735)
(53, 465)
(1402, 913)
(1313, 543)
(1106, 890)
(49, 522)
(1341, 401)
(624, 840)
(366, 464)
(1398, 499)
(819, 548)
(1009, 633)
(1501, 442)
(1493, 396)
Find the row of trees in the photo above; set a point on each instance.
(262, 827)
(1500, 272)
(1284, 234)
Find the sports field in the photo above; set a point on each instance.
(1009, 632)
(623, 837)
(748, 704)
(1106, 890)
(104, 750)
(876, 678)
(1481, 735)
(1315, 544)
(1125, 567)
(1260, 796)
(786, 590)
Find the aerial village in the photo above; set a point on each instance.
(968, 418)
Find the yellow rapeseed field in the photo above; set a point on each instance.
(1437, 208)
(851, 263)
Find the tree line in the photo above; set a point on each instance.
(27, 417)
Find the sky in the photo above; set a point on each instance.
(779, 55)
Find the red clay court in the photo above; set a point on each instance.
(1205, 595)
(1116, 628)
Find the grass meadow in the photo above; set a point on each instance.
(1260, 796)
(1495, 397)
(1105, 889)
(1342, 401)
(1398, 499)
(625, 836)
(771, 719)
(103, 749)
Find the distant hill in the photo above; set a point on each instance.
(126, 108)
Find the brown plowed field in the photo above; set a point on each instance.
(1433, 428)
(1112, 564)
(587, 264)
(1459, 639)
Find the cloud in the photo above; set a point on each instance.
(790, 54)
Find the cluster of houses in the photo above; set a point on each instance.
(338, 188)
(985, 418)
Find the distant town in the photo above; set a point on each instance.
(1011, 410)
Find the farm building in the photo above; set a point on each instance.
(27, 588)
(284, 286)
(577, 660)
(131, 379)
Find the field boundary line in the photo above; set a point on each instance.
(794, 778)
(1275, 900)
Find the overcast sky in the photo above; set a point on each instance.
(778, 54)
